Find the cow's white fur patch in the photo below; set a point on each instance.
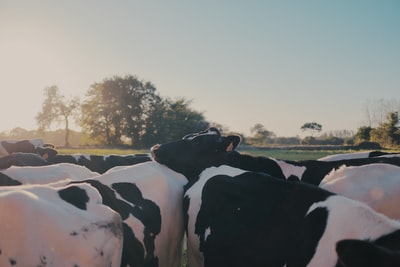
(54, 232)
(290, 169)
(48, 173)
(377, 185)
(347, 219)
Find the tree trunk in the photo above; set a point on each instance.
(66, 132)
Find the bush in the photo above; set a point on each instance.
(369, 145)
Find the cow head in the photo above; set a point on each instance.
(47, 153)
(195, 152)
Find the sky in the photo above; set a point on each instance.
(278, 63)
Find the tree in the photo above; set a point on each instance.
(260, 134)
(312, 127)
(387, 133)
(363, 134)
(18, 133)
(172, 119)
(392, 129)
(376, 109)
(119, 107)
(57, 109)
(309, 140)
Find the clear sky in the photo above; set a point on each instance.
(278, 63)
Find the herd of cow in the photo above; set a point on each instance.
(235, 209)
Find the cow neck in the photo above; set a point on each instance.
(255, 164)
(391, 240)
(220, 158)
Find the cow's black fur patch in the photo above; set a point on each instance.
(75, 196)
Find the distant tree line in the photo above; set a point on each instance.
(262, 137)
(55, 137)
(126, 111)
(387, 133)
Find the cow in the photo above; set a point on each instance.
(148, 196)
(17, 175)
(196, 152)
(314, 171)
(99, 163)
(377, 185)
(236, 217)
(22, 159)
(189, 156)
(42, 225)
(36, 146)
(47, 151)
(363, 154)
(12, 146)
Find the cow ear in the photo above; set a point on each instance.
(230, 143)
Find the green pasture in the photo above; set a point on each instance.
(291, 154)
(287, 154)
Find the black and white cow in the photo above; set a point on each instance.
(17, 175)
(36, 146)
(47, 156)
(27, 146)
(239, 218)
(196, 151)
(314, 171)
(355, 155)
(98, 163)
(377, 185)
(22, 159)
(42, 225)
(242, 218)
(147, 196)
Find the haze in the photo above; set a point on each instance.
(278, 63)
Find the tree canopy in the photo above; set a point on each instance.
(56, 108)
(171, 120)
(261, 136)
(387, 133)
(128, 108)
(118, 107)
(312, 127)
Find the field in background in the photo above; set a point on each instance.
(287, 154)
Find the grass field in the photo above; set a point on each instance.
(287, 154)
